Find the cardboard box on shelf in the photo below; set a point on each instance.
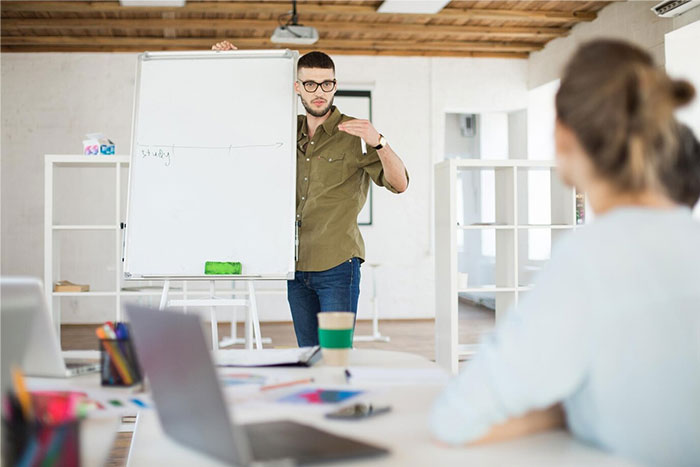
(68, 286)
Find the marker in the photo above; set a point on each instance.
(139, 403)
(288, 383)
(25, 400)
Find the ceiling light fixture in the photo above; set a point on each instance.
(426, 7)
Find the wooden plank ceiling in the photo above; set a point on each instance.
(462, 29)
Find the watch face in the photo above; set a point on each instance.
(382, 141)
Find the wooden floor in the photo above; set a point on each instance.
(415, 336)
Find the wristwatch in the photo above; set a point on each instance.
(382, 143)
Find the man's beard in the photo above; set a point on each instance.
(317, 113)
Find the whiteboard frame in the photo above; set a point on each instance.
(286, 53)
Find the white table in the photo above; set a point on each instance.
(404, 431)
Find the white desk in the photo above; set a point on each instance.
(404, 431)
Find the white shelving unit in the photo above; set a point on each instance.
(511, 267)
(120, 290)
(52, 244)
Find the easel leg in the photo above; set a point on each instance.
(253, 312)
(164, 295)
(184, 295)
(376, 336)
(248, 329)
(214, 323)
(234, 317)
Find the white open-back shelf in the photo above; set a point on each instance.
(511, 223)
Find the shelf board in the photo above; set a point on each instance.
(486, 288)
(547, 226)
(467, 350)
(500, 163)
(85, 227)
(486, 227)
(85, 294)
(78, 160)
(519, 226)
(195, 293)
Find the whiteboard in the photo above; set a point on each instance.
(213, 164)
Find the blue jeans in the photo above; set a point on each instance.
(336, 289)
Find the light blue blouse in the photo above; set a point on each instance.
(612, 330)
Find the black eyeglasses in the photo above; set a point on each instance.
(312, 86)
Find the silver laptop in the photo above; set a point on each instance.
(173, 352)
(42, 357)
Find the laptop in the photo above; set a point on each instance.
(185, 388)
(22, 298)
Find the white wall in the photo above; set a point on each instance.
(456, 144)
(49, 101)
(540, 117)
(631, 21)
(517, 134)
(683, 61)
(494, 135)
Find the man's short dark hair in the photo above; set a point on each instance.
(316, 59)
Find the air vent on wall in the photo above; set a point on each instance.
(672, 8)
(467, 125)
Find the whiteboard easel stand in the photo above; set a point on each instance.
(252, 326)
(376, 336)
(233, 339)
(267, 242)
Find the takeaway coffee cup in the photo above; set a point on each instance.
(335, 329)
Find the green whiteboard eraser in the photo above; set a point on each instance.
(222, 267)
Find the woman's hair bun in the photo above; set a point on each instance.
(683, 92)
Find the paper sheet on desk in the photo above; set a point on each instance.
(102, 402)
(414, 376)
(265, 357)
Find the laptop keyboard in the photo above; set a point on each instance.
(74, 364)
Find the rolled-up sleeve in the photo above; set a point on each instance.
(373, 166)
(536, 356)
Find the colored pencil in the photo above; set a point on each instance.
(286, 384)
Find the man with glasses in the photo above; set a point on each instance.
(333, 177)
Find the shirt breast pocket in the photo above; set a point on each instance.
(331, 169)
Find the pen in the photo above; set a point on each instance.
(25, 400)
(288, 383)
(115, 354)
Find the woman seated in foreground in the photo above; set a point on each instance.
(608, 342)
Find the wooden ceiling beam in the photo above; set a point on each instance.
(205, 43)
(232, 24)
(304, 8)
(400, 53)
(518, 15)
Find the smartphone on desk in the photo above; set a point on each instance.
(358, 411)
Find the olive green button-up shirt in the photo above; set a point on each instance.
(333, 177)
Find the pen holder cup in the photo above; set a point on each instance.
(41, 444)
(119, 365)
